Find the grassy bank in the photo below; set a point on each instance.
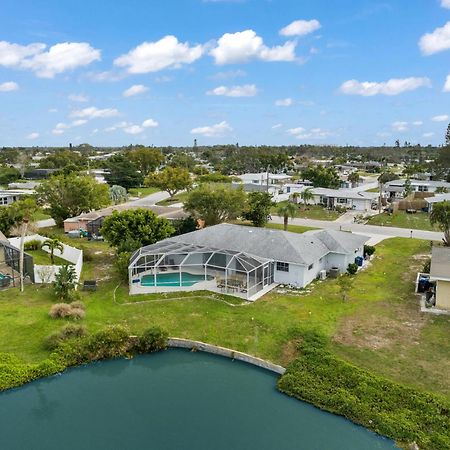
(417, 221)
(315, 212)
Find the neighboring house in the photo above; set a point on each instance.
(39, 174)
(438, 198)
(261, 178)
(346, 198)
(241, 261)
(396, 188)
(10, 196)
(28, 185)
(440, 274)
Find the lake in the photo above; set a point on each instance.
(172, 400)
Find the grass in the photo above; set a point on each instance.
(292, 228)
(41, 257)
(40, 214)
(373, 190)
(178, 198)
(379, 328)
(142, 191)
(418, 221)
(315, 212)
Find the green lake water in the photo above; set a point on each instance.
(173, 400)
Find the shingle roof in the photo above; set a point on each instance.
(440, 263)
(277, 245)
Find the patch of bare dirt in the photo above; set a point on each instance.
(289, 351)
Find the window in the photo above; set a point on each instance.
(342, 200)
(282, 266)
(423, 188)
(310, 266)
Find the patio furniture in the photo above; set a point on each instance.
(89, 285)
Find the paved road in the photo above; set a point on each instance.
(369, 230)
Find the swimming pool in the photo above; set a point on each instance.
(171, 279)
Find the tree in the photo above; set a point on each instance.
(287, 210)
(440, 216)
(53, 244)
(70, 195)
(182, 160)
(321, 176)
(345, 284)
(441, 190)
(215, 203)
(354, 178)
(258, 209)
(214, 178)
(123, 172)
(385, 177)
(65, 282)
(12, 216)
(146, 159)
(447, 136)
(171, 180)
(61, 159)
(8, 175)
(118, 194)
(407, 189)
(184, 225)
(307, 195)
(134, 228)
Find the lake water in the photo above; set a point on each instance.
(172, 400)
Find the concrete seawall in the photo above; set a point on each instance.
(222, 351)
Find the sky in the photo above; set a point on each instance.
(275, 72)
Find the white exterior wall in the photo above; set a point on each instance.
(295, 275)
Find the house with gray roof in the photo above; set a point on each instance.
(242, 261)
(440, 275)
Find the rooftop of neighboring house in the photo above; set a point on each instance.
(434, 183)
(438, 198)
(440, 263)
(345, 193)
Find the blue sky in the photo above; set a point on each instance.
(256, 72)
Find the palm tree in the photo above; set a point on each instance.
(28, 208)
(307, 195)
(287, 210)
(53, 244)
(295, 197)
(354, 178)
(441, 216)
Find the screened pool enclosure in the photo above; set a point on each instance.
(169, 266)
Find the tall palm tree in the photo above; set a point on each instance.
(53, 244)
(440, 215)
(287, 210)
(307, 195)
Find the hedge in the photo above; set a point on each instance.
(112, 342)
(401, 413)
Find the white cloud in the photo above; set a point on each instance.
(33, 136)
(136, 89)
(313, 133)
(300, 28)
(104, 76)
(447, 84)
(393, 86)
(162, 54)
(284, 102)
(219, 129)
(245, 46)
(61, 126)
(92, 113)
(441, 118)
(276, 126)
(427, 135)
(246, 90)
(57, 59)
(228, 74)
(150, 123)
(133, 129)
(437, 41)
(53, 110)
(9, 86)
(78, 98)
(445, 4)
(417, 123)
(12, 55)
(400, 126)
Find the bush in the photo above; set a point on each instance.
(393, 410)
(34, 244)
(74, 310)
(151, 340)
(352, 269)
(427, 266)
(70, 331)
(121, 265)
(78, 304)
(369, 250)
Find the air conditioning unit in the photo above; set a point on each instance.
(322, 274)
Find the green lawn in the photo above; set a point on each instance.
(419, 220)
(315, 212)
(378, 328)
(179, 198)
(40, 214)
(41, 257)
(293, 228)
(142, 191)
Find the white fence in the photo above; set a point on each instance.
(46, 273)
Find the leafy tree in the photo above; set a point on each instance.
(286, 211)
(62, 159)
(258, 209)
(171, 180)
(183, 161)
(407, 190)
(146, 159)
(441, 190)
(65, 282)
(307, 195)
(71, 195)
(11, 216)
(321, 176)
(53, 244)
(8, 175)
(131, 229)
(447, 136)
(440, 216)
(215, 203)
(118, 194)
(214, 178)
(123, 172)
(354, 178)
(185, 225)
(345, 284)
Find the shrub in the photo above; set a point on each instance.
(60, 311)
(121, 265)
(70, 331)
(369, 250)
(34, 244)
(78, 304)
(77, 314)
(427, 266)
(352, 269)
(151, 340)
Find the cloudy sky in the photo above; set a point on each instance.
(224, 71)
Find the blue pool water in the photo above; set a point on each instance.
(172, 279)
(173, 400)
